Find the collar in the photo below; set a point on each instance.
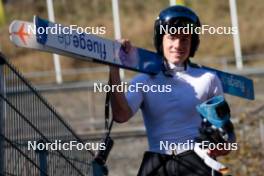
(173, 69)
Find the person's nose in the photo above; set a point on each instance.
(176, 44)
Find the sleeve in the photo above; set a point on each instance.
(134, 96)
(215, 88)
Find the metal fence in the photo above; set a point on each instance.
(27, 116)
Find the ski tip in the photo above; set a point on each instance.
(11, 38)
(20, 33)
(12, 30)
(11, 27)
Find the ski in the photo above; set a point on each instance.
(94, 48)
(235, 84)
(212, 163)
(21, 35)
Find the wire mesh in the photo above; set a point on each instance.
(28, 117)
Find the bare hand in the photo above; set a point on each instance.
(126, 45)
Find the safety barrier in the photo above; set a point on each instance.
(26, 116)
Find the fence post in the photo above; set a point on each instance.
(2, 115)
(43, 163)
(261, 130)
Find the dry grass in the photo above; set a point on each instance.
(137, 24)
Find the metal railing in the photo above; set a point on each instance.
(27, 116)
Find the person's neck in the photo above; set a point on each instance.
(177, 67)
(172, 69)
(172, 65)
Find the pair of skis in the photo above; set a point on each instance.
(93, 48)
(81, 46)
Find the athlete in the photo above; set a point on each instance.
(170, 117)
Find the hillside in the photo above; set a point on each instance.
(137, 25)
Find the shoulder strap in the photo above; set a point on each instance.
(108, 127)
(102, 155)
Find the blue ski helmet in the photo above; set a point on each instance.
(176, 16)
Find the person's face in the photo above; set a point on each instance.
(176, 47)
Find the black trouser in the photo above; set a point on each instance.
(184, 164)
